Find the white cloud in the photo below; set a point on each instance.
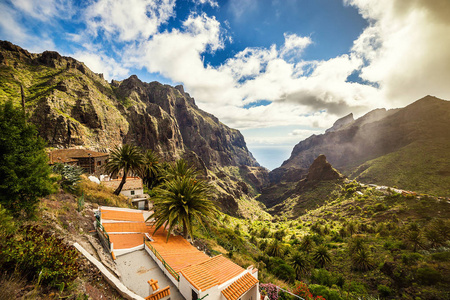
(294, 44)
(210, 2)
(101, 63)
(406, 47)
(45, 10)
(128, 19)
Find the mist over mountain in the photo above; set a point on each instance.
(406, 147)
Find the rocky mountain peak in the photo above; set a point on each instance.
(341, 122)
(321, 169)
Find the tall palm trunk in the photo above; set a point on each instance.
(122, 182)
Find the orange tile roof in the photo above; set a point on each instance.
(239, 287)
(126, 241)
(132, 183)
(126, 227)
(177, 252)
(70, 155)
(121, 215)
(211, 272)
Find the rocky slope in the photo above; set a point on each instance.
(405, 147)
(73, 106)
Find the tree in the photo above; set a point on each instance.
(361, 260)
(181, 201)
(151, 170)
(275, 249)
(301, 263)
(321, 256)
(180, 169)
(24, 169)
(127, 158)
(307, 244)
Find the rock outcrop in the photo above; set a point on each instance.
(73, 106)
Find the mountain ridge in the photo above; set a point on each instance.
(73, 106)
(424, 123)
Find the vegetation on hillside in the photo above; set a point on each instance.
(361, 243)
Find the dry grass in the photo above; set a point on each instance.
(97, 193)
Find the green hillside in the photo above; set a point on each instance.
(421, 167)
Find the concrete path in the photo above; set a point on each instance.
(137, 267)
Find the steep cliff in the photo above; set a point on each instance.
(73, 106)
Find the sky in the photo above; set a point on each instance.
(277, 70)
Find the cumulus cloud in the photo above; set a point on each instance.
(128, 19)
(101, 63)
(294, 44)
(406, 48)
(210, 2)
(45, 10)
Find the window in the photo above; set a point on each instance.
(132, 192)
(194, 295)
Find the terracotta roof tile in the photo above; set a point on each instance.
(126, 227)
(211, 272)
(121, 215)
(239, 287)
(70, 155)
(126, 241)
(177, 252)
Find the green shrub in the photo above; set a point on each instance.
(356, 287)
(441, 256)
(384, 291)
(411, 258)
(36, 253)
(327, 293)
(70, 176)
(428, 276)
(322, 277)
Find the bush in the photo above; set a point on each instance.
(329, 294)
(428, 276)
(70, 176)
(284, 272)
(410, 258)
(384, 291)
(322, 277)
(270, 289)
(441, 256)
(36, 253)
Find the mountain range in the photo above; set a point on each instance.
(75, 107)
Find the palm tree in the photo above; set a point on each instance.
(307, 244)
(275, 249)
(181, 201)
(127, 158)
(361, 260)
(321, 256)
(151, 170)
(181, 169)
(301, 263)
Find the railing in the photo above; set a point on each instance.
(166, 265)
(105, 234)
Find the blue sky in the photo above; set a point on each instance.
(278, 70)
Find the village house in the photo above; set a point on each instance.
(133, 189)
(90, 161)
